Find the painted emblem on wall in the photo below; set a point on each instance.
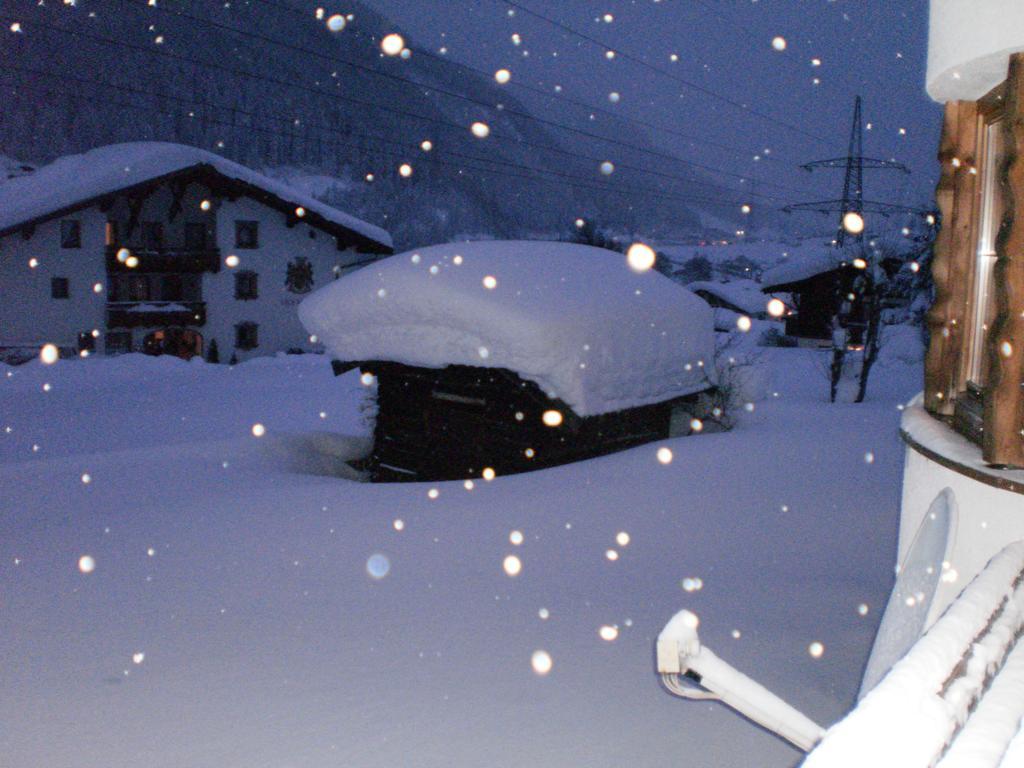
(300, 275)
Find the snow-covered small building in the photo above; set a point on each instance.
(512, 356)
(813, 280)
(739, 298)
(165, 248)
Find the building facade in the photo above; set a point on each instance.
(161, 248)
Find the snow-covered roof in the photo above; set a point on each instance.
(745, 295)
(72, 182)
(969, 46)
(574, 319)
(806, 264)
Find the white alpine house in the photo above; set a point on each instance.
(165, 248)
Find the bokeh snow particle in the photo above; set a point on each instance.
(512, 565)
(378, 566)
(49, 354)
(541, 662)
(393, 44)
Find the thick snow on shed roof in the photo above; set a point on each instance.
(746, 295)
(70, 181)
(574, 319)
(802, 266)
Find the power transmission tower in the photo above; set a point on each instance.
(856, 316)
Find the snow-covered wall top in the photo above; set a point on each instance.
(574, 319)
(71, 180)
(969, 46)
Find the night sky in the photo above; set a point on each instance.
(875, 49)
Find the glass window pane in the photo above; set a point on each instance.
(984, 306)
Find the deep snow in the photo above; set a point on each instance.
(267, 643)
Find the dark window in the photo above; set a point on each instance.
(86, 342)
(246, 285)
(118, 342)
(70, 233)
(247, 336)
(247, 234)
(153, 235)
(172, 288)
(195, 236)
(129, 288)
(59, 288)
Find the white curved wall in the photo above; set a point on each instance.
(969, 46)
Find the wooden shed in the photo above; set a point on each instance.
(513, 356)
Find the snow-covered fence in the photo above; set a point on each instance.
(957, 697)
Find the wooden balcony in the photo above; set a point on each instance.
(181, 261)
(152, 314)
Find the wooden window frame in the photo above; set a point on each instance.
(992, 415)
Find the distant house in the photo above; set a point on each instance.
(165, 248)
(813, 281)
(737, 298)
(501, 357)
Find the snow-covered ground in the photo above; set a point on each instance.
(233, 568)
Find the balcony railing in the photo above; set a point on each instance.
(183, 260)
(151, 314)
